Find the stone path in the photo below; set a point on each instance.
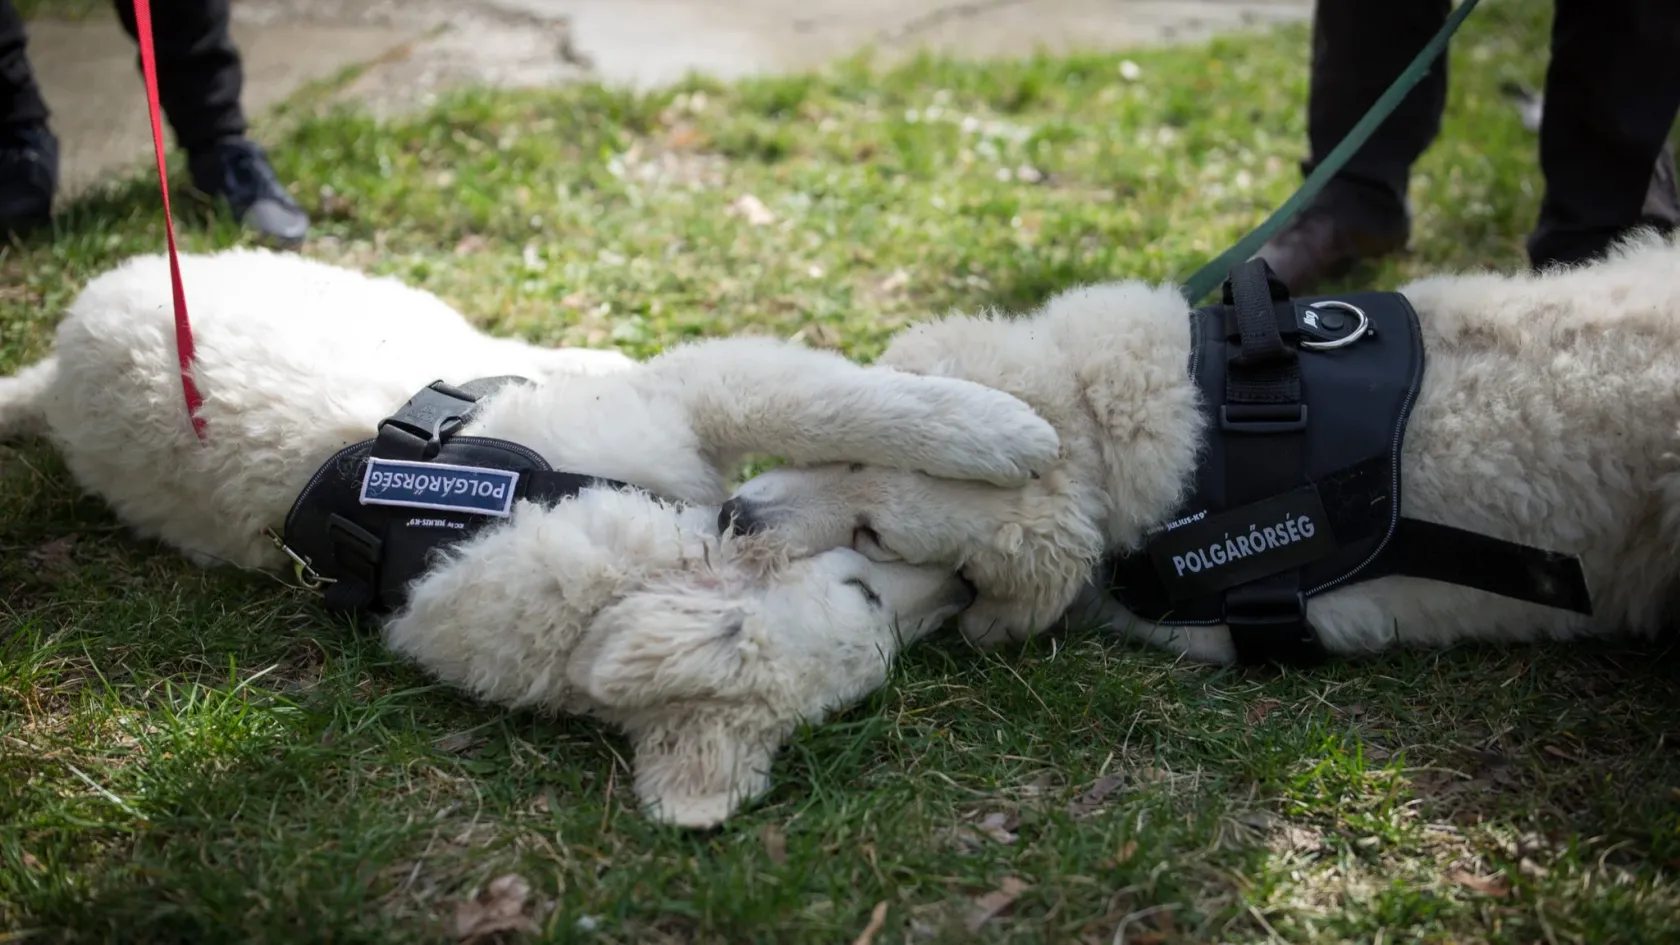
(410, 49)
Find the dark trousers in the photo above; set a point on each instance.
(1612, 94)
(199, 74)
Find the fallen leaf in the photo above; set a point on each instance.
(499, 907)
(540, 805)
(1560, 753)
(29, 861)
(1127, 851)
(818, 335)
(775, 843)
(877, 919)
(995, 902)
(1000, 826)
(52, 559)
(457, 744)
(471, 243)
(1260, 709)
(1496, 886)
(684, 138)
(752, 209)
(1089, 802)
(1044, 783)
(898, 280)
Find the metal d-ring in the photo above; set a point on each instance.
(1357, 333)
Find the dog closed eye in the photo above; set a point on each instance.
(869, 594)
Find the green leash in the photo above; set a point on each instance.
(1211, 275)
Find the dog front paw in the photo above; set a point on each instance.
(994, 621)
(998, 438)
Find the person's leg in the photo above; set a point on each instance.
(28, 151)
(200, 78)
(1612, 94)
(1359, 48)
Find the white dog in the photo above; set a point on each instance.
(623, 604)
(1546, 416)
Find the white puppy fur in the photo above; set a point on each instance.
(1547, 416)
(623, 604)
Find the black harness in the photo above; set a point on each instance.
(372, 516)
(1298, 490)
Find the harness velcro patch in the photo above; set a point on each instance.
(1201, 554)
(471, 489)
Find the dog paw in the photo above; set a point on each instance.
(1001, 440)
(994, 621)
(696, 812)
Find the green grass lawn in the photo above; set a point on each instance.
(191, 757)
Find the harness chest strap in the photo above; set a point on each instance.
(1286, 507)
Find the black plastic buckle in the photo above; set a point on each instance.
(1263, 418)
(419, 429)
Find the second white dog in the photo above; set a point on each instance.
(1546, 417)
(624, 604)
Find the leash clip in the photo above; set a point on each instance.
(306, 575)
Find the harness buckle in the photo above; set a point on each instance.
(419, 430)
(1263, 418)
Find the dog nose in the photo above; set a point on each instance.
(737, 515)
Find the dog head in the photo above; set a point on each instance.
(1027, 550)
(710, 672)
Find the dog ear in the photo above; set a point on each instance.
(697, 768)
(657, 646)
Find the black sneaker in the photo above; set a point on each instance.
(28, 177)
(237, 169)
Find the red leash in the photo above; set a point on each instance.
(183, 328)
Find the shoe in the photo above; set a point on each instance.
(1662, 196)
(28, 177)
(1325, 241)
(238, 171)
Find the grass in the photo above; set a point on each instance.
(192, 756)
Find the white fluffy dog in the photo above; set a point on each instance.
(1546, 416)
(623, 604)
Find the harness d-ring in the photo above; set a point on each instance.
(1357, 333)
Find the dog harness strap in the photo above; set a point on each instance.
(1469, 559)
(550, 486)
(1264, 422)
